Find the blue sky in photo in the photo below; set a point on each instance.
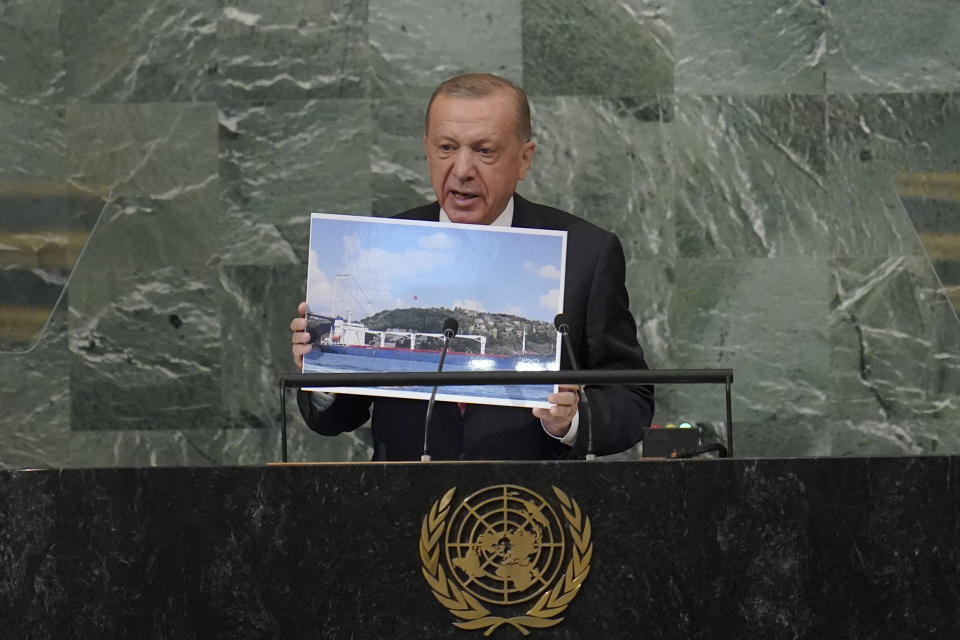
(366, 265)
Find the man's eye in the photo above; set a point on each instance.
(446, 147)
(485, 151)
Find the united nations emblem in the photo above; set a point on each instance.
(501, 549)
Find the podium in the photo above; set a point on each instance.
(735, 548)
(447, 378)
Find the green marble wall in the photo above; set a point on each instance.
(745, 152)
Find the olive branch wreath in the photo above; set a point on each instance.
(468, 608)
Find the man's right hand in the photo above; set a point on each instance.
(301, 339)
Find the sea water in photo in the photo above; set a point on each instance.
(320, 362)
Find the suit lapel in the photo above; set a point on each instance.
(524, 213)
(533, 216)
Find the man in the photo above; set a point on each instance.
(478, 143)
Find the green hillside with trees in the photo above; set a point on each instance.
(504, 332)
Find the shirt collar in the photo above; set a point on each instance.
(505, 219)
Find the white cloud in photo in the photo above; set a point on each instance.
(437, 242)
(549, 272)
(545, 271)
(320, 291)
(513, 310)
(551, 300)
(373, 265)
(474, 305)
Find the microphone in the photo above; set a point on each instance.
(450, 328)
(563, 328)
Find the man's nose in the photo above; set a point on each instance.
(463, 164)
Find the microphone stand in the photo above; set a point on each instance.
(564, 329)
(450, 327)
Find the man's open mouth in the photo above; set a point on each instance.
(462, 196)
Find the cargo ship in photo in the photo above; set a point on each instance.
(341, 336)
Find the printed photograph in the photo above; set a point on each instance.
(379, 291)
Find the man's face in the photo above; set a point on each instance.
(474, 155)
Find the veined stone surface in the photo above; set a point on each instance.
(763, 164)
(398, 161)
(31, 52)
(891, 46)
(870, 139)
(750, 176)
(292, 49)
(749, 47)
(414, 46)
(159, 164)
(597, 48)
(160, 51)
(896, 344)
(145, 349)
(764, 318)
(280, 162)
(32, 146)
(603, 159)
(35, 389)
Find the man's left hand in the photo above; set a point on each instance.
(558, 418)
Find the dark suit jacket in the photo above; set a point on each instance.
(603, 336)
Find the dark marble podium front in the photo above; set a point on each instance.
(798, 548)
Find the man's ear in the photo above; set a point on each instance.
(526, 157)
